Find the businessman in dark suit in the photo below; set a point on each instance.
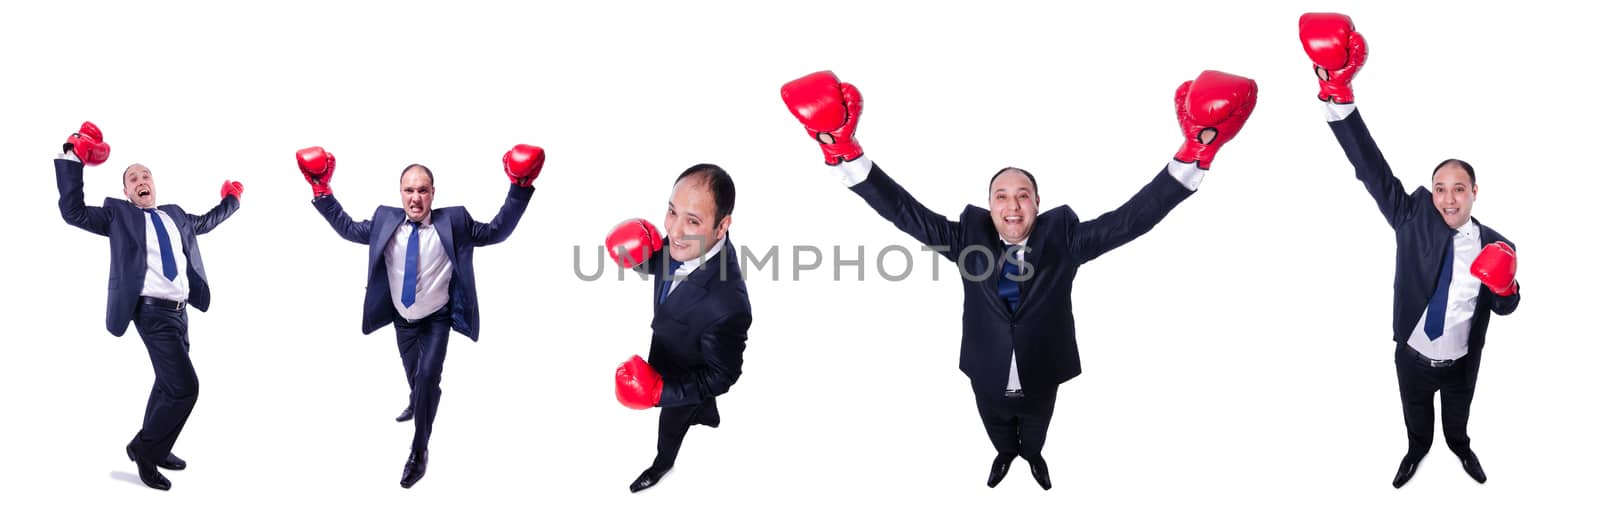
(419, 272)
(156, 273)
(1017, 265)
(1450, 270)
(702, 312)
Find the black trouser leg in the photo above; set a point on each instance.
(1455, 402)
(1034, 421)
(999, 417)
(172, 398)
(674, 425)
(422, 348)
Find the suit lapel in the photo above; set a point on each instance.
(441, 224)
(178, 226)
(991, 283)
(135, 227)
(1030, 258)
(692, 289)
(386, 225)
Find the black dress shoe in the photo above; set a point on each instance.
(405, 415)
(172, 462)
(148, 472)
(1469, 462)
(416, 466)
(1041, 472)
(997, 471)
(649, 478)
(1408, 467)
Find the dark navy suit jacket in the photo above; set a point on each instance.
(1041, 331)
(1420, 237)
(124, 223)
(458, 233)
(698, 334)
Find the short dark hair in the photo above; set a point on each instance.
(720, 184)
(1464, 166)
(1024, 172)
(416, 165)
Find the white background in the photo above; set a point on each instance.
(1236, 359)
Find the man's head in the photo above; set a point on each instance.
(700, 211)
(416, 191)
(1013, 203)
(139, 186)
(1455, 188)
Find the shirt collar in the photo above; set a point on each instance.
(692, 265)
(1023, 245)
(427, 220)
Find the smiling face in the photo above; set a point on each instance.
(1454, 191)
(416, 193)
(689, 225)
(1013, 204)
(139, 186)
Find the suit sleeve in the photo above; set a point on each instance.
(69, 181)
(500, 228)
(1137, 216)
(329, 207)
(897, 206)
(722, 345)
(203, 224)
(1373, 171)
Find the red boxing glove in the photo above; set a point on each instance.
(830, 110)
(88, 145)
(638, 385)
(1496, 267)
(632, 242)
(523, 163)
(317, 165)
(1337, 52)
(234, 188)
(1211, 110)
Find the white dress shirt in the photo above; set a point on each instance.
(433, 270)
(156, 283)
(1460, 301)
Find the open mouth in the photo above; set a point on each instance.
(143, 193)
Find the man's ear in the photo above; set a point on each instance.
(722, 228)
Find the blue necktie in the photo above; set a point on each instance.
(408, 288)
(169, 264)
(1010, 290)
(1434, 326)
(666, 284)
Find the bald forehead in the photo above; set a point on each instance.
(1011, 178)
(132, 169)
(412, 173)
(1451, 174)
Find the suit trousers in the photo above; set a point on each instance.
(166, 337)
(674, 425)
(1017, 426)
(1454, 383)
(422, 348)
